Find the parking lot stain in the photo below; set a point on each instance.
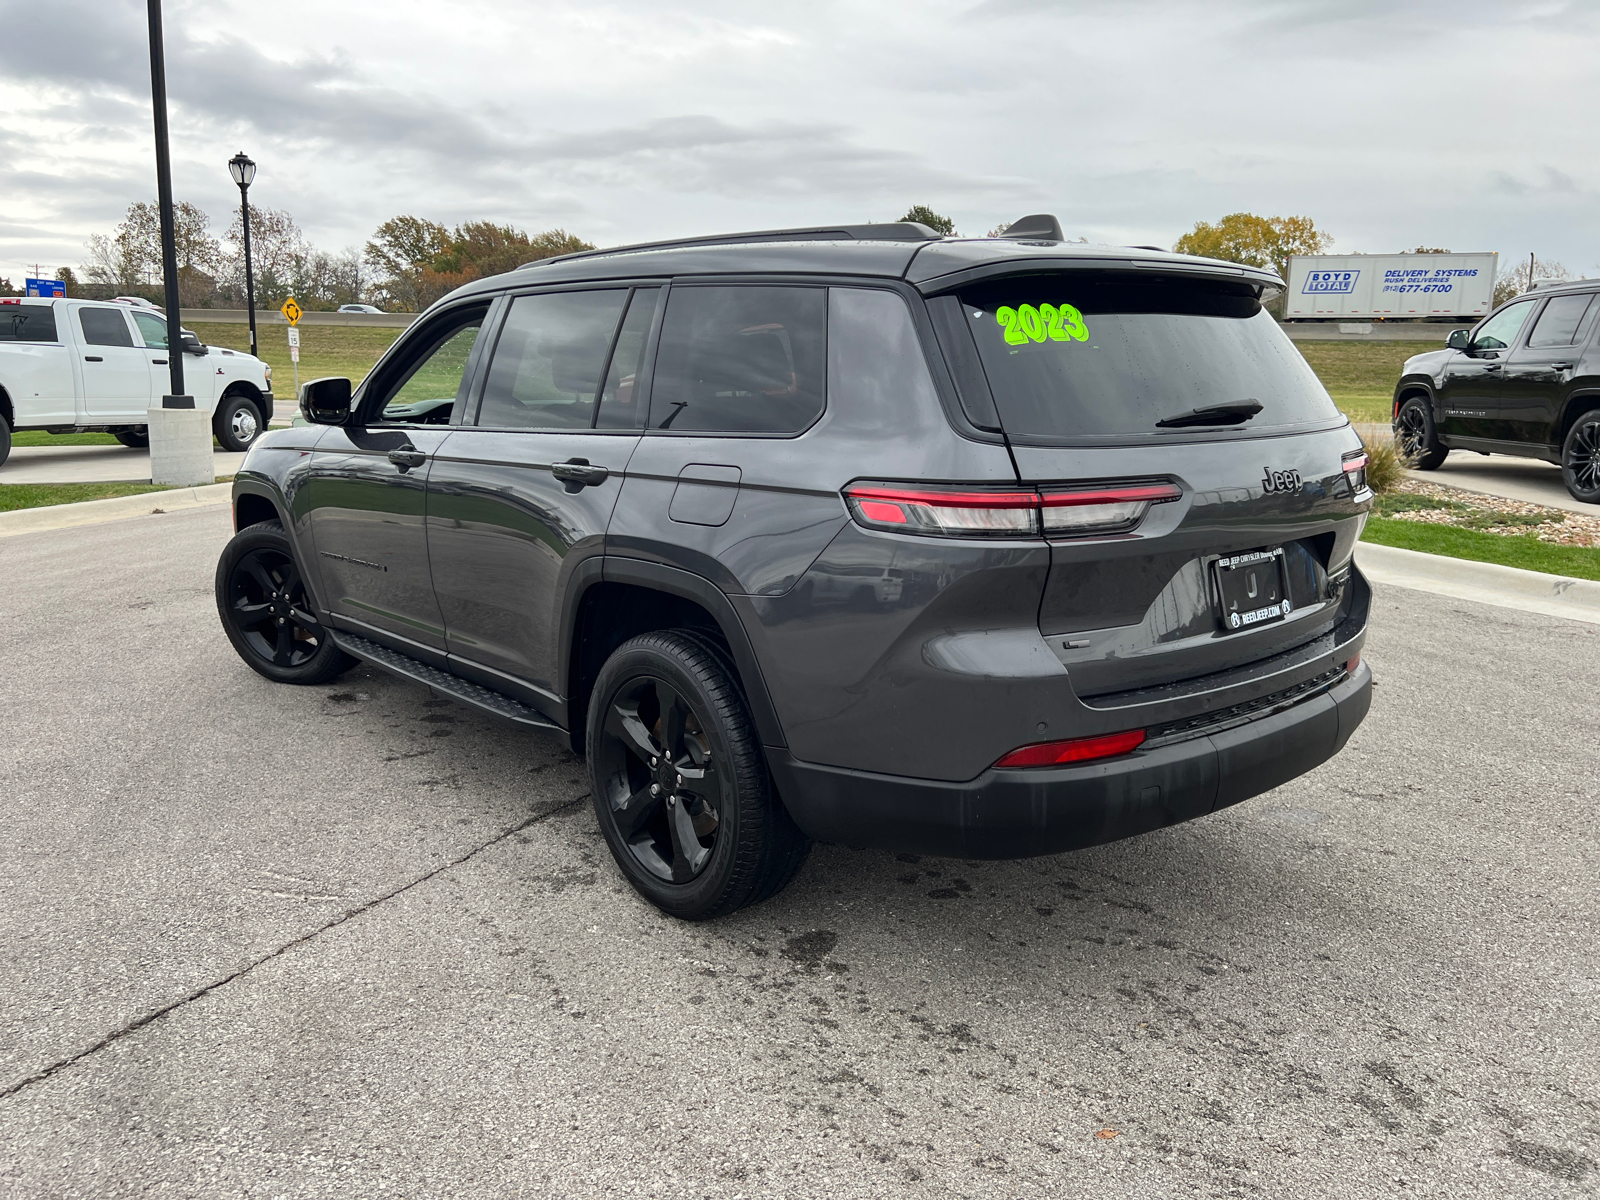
(1562, 1164)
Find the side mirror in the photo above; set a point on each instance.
(192, 345)
(326, 401)
(1460, 339)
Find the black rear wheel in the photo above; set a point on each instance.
(680, 786)
(1580, 459)
(1418, 441)
(134, 439)
(266, 613)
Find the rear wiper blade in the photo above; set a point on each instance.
(1217, 414)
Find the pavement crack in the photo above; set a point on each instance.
(150, 1018)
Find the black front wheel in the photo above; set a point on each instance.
(1580, 459)
(237, 423)
(266, 613)
(680, 786)
(1418, 440)
(134, 439)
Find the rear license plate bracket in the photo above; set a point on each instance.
(1252, 589)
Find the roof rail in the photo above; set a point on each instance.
(889, 231)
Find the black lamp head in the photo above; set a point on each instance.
(242, 169)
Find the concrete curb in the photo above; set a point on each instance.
(93, 512)
(1487, 583)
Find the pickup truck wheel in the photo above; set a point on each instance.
(679, 783)
(237, 423)
(1580, 459)
(5, 440)
(266, 613)
(134, 439)
(1419, 443)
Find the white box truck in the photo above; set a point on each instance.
(1345, 287)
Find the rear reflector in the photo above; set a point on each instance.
(1054, 754)
(968, 512)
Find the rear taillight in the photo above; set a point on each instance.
(1355, 470)
(980, 512)
(1073, 750)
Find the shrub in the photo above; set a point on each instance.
(1385, 466)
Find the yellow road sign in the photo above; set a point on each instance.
(291, 311)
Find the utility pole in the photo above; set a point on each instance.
(169, 248)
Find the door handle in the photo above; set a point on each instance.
(577, 473)
(1563, 366)
(407, 457)
(92, 358)
(1492, 366)
(160, 362)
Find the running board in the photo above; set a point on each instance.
(443, 682)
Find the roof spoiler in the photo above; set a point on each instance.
(889, 231)
(1039, 227)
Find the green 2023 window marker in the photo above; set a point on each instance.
(1047, 322)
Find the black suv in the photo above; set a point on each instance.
(1525, 381)
(970, 547)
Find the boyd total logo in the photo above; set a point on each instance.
(1330, 283)
(1279, 481)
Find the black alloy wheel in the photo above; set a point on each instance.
(664, 786)
(1580, 459)
(1418, 444)
(680, 784)
(267, 614)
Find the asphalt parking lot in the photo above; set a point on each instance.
(355, 941)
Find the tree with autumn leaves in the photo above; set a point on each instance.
(420, 260)
(1255, 241)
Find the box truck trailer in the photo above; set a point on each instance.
(1394, 286)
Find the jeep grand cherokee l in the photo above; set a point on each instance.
(974, 547)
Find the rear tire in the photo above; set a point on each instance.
(5, 441)
(134, 439)
(237, 423)
(679, 783)
(1580, 458)
(266, 611)
(1417, 439)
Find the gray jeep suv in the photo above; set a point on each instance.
(975, 547)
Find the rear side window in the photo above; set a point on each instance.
(104, 327)
(1559, 322)
(549, 360)
(741, 360)
(1075, 355)
(27, 323)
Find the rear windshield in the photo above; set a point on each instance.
(1075, 355)
(27, 323)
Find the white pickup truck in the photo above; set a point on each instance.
(74, 366)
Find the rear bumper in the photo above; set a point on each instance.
(1018, 814)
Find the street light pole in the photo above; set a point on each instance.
(244, 173)
(169, 249)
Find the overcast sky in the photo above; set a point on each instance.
(1458, 123)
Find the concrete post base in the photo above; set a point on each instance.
(180, 446)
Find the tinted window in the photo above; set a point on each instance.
(1074, 355)
(1500, 330)
(104, 327)
(27, 323)
(426, 390)
(152, 329)
(548, 361)
(1558, 323)
(740, 360)
(619, 400)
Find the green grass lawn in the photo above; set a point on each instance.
(1360, 376)
(324, 350)
(38, 437)
(37, 495)
(1527, 552)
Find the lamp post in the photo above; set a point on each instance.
(244, 173)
